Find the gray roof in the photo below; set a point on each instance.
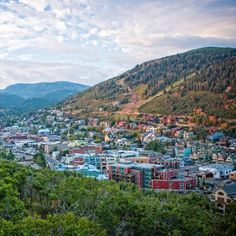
(230, 189)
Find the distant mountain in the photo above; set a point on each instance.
(203, 78)
(28, 97)
(39, 90)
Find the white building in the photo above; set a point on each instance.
(218, 170)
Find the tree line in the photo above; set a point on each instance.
(44, 202)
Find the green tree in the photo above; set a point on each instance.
(156, 146)
(39, 159)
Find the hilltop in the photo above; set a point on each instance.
(203, 79)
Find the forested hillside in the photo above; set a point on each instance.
(45, 203)
(212, 89)
(209, 70)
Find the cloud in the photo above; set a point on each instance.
(105, 37)
(38, 5)
(31, 72)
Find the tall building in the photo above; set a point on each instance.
(153, 176)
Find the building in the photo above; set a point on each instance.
(44, 132)
(174, 183)
(216, 136)
(85, 170)
(93, 160)
(55, 146)
(224, 196)
(77, 161)
(220, 157)
(150, 176)
(168, 163)
(232, 175)
(87, 149)
(231, 159)
(106, 161)
(218, 170)
(143, 159)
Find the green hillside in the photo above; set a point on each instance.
(10, 101)
(49, 203)
(212, 89)
(202, 78)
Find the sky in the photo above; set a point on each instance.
(88, 41)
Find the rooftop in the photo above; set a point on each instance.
(134, 164)
(230, 189)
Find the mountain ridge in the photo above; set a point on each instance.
(144, 82)
(28, 90)
(28, 97)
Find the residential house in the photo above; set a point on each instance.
(219, 157)
(108, 138)
(224, 196)
(44, 132)
(232, 176)
(149, 137)
(231, 159)
(232, 144)
(216, 136)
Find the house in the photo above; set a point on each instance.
(153, 130)
(148, 117)
(220, 157)
(196, 156)
(122, 142)
(44, 132)
(149, 137)
(108, 138)
(93, 122)
(164, 139)
(216, 136)
(223, 141)
(232, 176)
(232, 144)
(224, 196)
(231, 159)
(188, 135)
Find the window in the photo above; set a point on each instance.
(220, 200)
(228, 200)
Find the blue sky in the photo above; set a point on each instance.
(89, 41)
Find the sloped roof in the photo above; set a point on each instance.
(230, 189)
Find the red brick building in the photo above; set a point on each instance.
(150, 176)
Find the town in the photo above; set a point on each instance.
(160, 153)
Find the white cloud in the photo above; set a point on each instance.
(94, 42)
(62, 13)
(23, 71)
(38, 5)
(61, 26)
(108, 36)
